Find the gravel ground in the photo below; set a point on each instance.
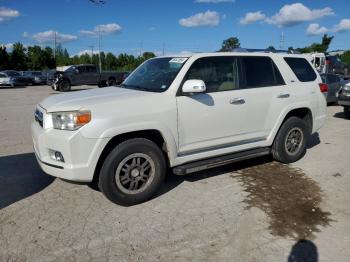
(258, 210)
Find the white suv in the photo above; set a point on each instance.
(187, 113)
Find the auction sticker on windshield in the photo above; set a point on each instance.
(178, 60)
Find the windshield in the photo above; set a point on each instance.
(155, 75)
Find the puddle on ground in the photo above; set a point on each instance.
(290, 199)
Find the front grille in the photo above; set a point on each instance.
(39, 117)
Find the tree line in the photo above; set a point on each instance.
(23, 58)
(42, 58)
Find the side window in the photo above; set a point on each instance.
(259, 71)
(91, 69)
(2, 75)
(82, 69)
(301, 68)
(218, 73)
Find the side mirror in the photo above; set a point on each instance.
(76, 71)
(194, 86)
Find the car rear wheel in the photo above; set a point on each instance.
(132, 172)
(290, 142)
(347, 112)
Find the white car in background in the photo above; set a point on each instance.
(6, 80)
(186, 113)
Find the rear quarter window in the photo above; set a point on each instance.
(260, 71)
(301, 68)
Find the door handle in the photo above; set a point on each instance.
(237, 101)
(285, 95)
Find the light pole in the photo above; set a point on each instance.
(99, 48)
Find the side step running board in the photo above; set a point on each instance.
(219, 161)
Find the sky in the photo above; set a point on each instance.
(172, 26)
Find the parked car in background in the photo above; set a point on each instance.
(35, 77)
(14, 78)
(50, 76)
(344, 99)
(334, 83)
(85, 75)
(336, 66)
(6, 80)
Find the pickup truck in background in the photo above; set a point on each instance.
(85, 75)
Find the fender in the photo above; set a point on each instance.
(168, 136)
(282, 116)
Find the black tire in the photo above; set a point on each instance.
(287, 138)
(111, 82)
(116, 185)
(347, 112)
(64, 86)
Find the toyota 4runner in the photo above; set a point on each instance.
(186, 113)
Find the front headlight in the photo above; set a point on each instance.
(346, 88)
(70, 120)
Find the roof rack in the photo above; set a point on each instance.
(245, 50)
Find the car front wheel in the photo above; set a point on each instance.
(112, 82)
(64, 86)
(290, 142)
(132, 172)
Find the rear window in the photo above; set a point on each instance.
(260, 72)
(301, 68)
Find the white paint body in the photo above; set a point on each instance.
(193, 127)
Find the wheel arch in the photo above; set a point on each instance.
(67, 79)
(153, 135)
(304, 113)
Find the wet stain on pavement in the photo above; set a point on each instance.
(290, 199)
(337, 175)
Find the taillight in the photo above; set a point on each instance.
(323, 87)
(328, 62)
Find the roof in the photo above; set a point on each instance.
(257, 53)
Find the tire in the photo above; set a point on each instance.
(64, 86)
(111, 82)
(347, 112)
(290, 143)
(121, 170)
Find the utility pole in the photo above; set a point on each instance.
(54, 46)
(282, 40)
(140, 49)
(99, 48)
(163, 49)
(92, 51)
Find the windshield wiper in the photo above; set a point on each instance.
(136, 87)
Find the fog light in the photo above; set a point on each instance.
(56, 155)
(59, 156)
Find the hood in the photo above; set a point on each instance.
(88, 98)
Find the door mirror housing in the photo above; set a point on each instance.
(76, 71)
(194, 86)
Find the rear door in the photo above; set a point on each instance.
(265, 94)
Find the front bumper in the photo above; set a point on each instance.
(80, 154)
